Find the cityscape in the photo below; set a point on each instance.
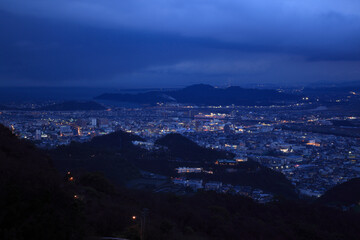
(180, 120)
(278, 137)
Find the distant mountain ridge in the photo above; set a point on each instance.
(6, 108)
(62, 106)
(203, 94)
(73, 106)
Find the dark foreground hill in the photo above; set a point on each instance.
(119, 159)
(32, 203)
(203, 94)
(112, 154)
(345, 194)
(73, 106)
(36, 204)
(187, 150)
(214, 216)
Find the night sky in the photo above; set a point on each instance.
(174, 43)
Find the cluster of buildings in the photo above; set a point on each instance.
(196, 185)
(52, 129)
(312, 162)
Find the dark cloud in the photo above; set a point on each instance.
(172, 42)
(50, 50)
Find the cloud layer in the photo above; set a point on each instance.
(162, 42)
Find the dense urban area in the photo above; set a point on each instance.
(315, 147)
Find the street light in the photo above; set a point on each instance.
(143, 215)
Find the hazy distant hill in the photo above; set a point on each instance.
(4, 107)
(73, 106)
(330, 94)
(203, 94)
(329, 84)
(344, 194)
